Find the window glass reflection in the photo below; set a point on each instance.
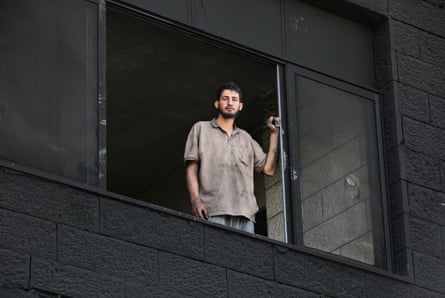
(339, 171)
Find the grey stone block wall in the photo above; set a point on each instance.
(58, 240)
(104, 254)
(61, 259)
(48, 201)
(130, 223)
(414, 103)
(26, 234)
(379, 286)
(239, 253)
(14, 269)
(419, 14)
(415, 167)
(56, 277)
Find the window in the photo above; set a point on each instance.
(160, 80)
(48, 87)
(338, 164)
(161, 77)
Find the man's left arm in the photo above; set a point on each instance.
(273, 123)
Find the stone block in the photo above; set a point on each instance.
(312, 211)
(419, 14)
(152, 228)
(432, 49)
(339, 230)
(425, 237)
(274, 201)
(242, 285)
(49, 200)
(406, 39)
(379, 286)
(67, 280)
(424, 138)
(197, 279)
(144, 291)
(275, 227)
(420, 168)
(25, 293)
(237, 252)
(104, 254)
(317, 274)
(429, 272)
(413, 103)
(421, 75)
(437, 111)
(14, 269)
(26, 234)
(426, 204)
(21, 293)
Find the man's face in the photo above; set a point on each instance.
(229, 104)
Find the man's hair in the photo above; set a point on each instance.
(229, 86)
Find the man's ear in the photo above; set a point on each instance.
(240, 106)
(216, 103)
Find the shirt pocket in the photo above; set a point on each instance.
(245, 154)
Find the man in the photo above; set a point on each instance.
(220, 163)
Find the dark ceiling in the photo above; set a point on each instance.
(159, 82)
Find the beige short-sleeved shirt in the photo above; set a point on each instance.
(226, 168)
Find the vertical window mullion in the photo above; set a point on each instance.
(102, 96)
(293, 174)
(384, 189)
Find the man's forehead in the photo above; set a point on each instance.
(229, 92)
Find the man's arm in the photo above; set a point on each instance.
(198, 207)
(273, 123)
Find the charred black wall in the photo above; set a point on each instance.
(61, 240)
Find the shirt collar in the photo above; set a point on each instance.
(216, 125)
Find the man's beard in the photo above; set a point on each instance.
(228, 115)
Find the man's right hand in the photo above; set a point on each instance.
(199, 209)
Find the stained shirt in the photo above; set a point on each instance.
(226, 168)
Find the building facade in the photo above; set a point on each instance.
(96, 99)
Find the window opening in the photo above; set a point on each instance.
(161, 80)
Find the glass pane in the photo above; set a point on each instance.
(340, 189)
(48, 93)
